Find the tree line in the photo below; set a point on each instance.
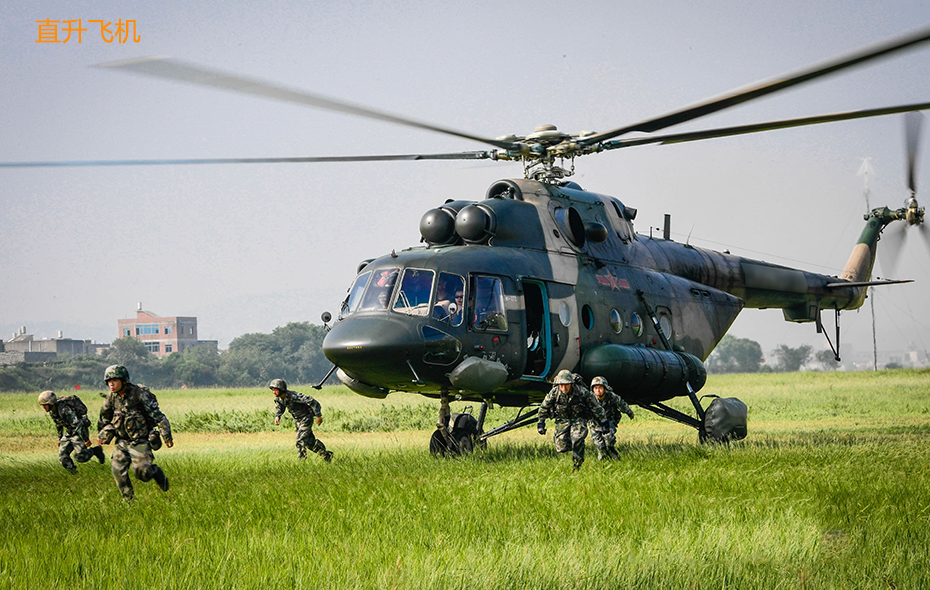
(742, 355)
(292, 352)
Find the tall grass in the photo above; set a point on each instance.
(831, 490)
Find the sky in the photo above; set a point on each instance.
(247, 248)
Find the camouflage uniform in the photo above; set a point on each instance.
(73, 436)
(130, 416)
(304, 409)
(571, 412)
(604, 439)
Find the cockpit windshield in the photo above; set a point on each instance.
(415, 290)
(355, 293)
(379, 290)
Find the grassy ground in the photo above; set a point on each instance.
(830, 490)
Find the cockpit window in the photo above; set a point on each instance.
(379, 290)
(486, 303)
(415, 290)
(355, 293)
(450, 301)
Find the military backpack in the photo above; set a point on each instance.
(75, 403)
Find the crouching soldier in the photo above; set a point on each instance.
(304, 409)
(605, 437)
(70, 417)
(128, 415)
(571, 405)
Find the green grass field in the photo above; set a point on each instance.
(830, 490)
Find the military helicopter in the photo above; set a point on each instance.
(540, 275)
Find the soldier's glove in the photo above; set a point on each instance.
(541, 428)
(630, 414)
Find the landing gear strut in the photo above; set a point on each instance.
(458, 434)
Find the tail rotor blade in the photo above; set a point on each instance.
(889, 248)
(912, 124)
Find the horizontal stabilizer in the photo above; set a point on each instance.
(867, 283)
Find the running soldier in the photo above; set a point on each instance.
(606, 437)
(571, 405)
(304, 409)
(129, 415)
(70, 417)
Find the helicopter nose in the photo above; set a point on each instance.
(374, 349)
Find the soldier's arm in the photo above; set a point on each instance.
(278, 409)
(546, 405)
(156, 416)
(74, 422)
(596, 408)
(623, 406)
(106, 414)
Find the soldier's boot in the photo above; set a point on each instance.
(98, 452)
(72, 470)
(328, 456)
(161, 479)
(612, 452)
(576, 464)
(602, 454)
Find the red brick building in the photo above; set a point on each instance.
(161, 335)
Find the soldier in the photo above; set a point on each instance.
(70, 416)
(571, 405)
(304, 409)
(605, 438)
(129, 415)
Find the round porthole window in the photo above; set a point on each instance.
(587, 317)
(636, 324)
(565, 314)
(616, 322)
(666, 326)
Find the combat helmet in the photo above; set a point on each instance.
(116, 372)
(47, 398)
(599, 381)
(564, 376)
(279, 384)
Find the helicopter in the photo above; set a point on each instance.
(540, 275)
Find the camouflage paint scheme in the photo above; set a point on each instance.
(578, 287)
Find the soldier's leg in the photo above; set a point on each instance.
(64, 455)
(119, 465)
(303, 441)
(562, 436)
(320, 449)
(600, 442)
(144, 467)
(82, 454)
(579, 432)
(610, 437)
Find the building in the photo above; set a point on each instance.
(23, 347)
(161, 335)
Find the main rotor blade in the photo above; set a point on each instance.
(764, 88)
(912, 124)
(299, 159)
(163, 67)
(757, 127)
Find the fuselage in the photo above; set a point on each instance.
(550, 278)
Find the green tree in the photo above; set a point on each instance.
(736, 355)
(792, 359)
(827, 360)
